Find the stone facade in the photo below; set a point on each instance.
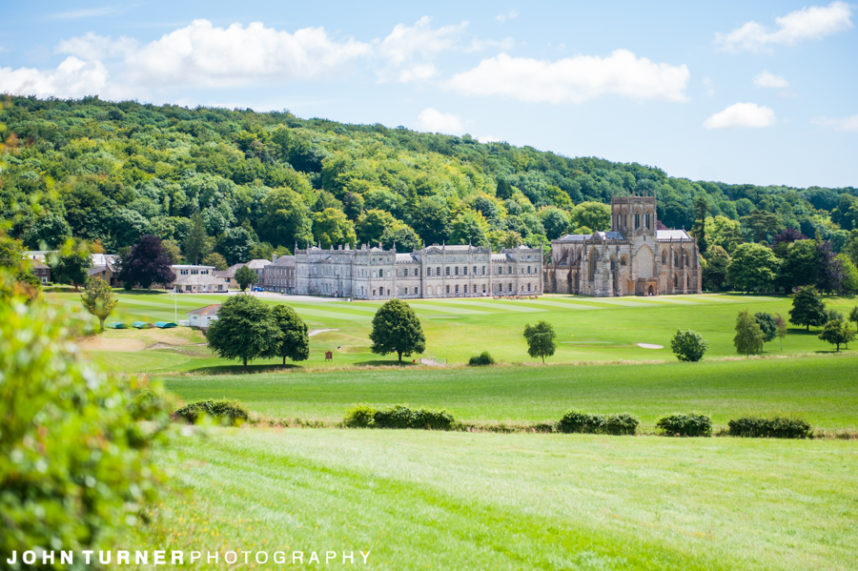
(432, 272)
(279, 276)
(635, 258)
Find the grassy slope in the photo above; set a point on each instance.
(821, 390)
(587, 329)
(457, 500)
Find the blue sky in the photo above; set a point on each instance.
(744, 92)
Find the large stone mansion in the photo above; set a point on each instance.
(635, 258)
(431, 272)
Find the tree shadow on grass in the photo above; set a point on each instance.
(240, 370)
(384, 363)
(802, 331)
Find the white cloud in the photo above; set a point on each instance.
(809, 23)
(574, 79)
(419, 72)
(406, 43)
(511, 15)
(94, 47)
(435, 121)
(73, 78)
(205, 54)
(766, 79)
(838, 123)
(741, 115)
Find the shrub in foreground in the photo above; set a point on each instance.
(685, 425)
(228, 413)
(777, 427)
(482, 359)
(76, 446)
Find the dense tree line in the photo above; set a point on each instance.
(229, 185)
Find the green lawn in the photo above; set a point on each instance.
(588, 329)
(819, 389)
(434, 500)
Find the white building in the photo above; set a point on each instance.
(203, 316)
(432, 272)
(196, 279)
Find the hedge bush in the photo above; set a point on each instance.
(777, 427)
(482, 359)
(577, 421)
(620, 424)
(431, 419)
(398, 416)
(361, 416)
(228, 413)
(685, 425)
(584, 422)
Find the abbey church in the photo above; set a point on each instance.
(637, 257)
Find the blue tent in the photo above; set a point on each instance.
(117, 325)
(164, 324)
(138, 325)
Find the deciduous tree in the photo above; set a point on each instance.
(837, 332)
(396, 329)
(294, 343)
(244, 329)
(147, 263)
(688, 345)
(98, 299)
(807, 308)
(749, 337)
(245, 277)
(540, 340)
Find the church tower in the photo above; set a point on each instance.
(634, 216)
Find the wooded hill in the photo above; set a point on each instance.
(260, 182)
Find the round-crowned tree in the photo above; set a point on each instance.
(245, 277)
(540, 340)
(396, 329)
(147, 264)
(295, 342)
(688, 345)
(808, 308)
(245, 329)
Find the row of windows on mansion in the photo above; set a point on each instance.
(435, 271)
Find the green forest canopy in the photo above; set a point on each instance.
(263, 182)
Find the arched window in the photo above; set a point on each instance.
(637, 221)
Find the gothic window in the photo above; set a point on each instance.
(510, 287)
(465, 270)
(664, 257)
(438, 271)
(475, 270)
(528, 287)
(415, 291)
(647, 221)
(456, 270)
(637, 221)
(380, 273)
(447, 270)
(500, 270)
(448, 290)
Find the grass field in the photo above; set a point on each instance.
(821, 390)
(588, 329)
(430, 500)
(434, 500)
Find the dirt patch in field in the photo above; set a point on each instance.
(101, 343)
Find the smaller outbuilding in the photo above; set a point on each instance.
(203, 316)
